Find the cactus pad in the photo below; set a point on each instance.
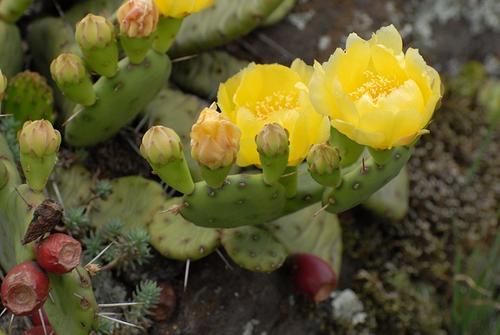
(73, 309)
(244, 199)
(203, 74)
(225, 21)
(253, 248)
(302, 232)
(134, 201)
(11, 52)
(175, 238)
(392, 200)
(119, 100)
(75, 185)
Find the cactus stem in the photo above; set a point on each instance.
(186, 274)
(228, 265)
(42, 319)
(100, 254)
(125, 323)
(30, 206)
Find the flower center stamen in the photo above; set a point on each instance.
(275, 102)
(375, 85)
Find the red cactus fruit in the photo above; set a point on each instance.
(59, 253)
(35, 317)
(313, 277)
(25, 288)
(38, 330)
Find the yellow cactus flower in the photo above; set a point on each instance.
(374, 93)
(264, 94)
(179, 9)
(214, 140)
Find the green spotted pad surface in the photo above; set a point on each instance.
(253, 248)
(175, 238)
(303, 232)
(74, 184)
(134, 201)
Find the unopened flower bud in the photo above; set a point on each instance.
(72, 78)
(94, 32)
(324, 164)
(214, 140)
(138, 18)
(39, 138)
(272, 140)
(161, 145)
(3, 84)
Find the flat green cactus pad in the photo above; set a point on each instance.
(302, 232)
(134, 201)
(280, 13)
(203, 74)
(309, 192)
(225, 21)
(11, 52)
(119, 100)
(74, 184)
(244, 199)
(104, 8)
(175, 238)
(392, 200)
(253, 248)
(73, 308)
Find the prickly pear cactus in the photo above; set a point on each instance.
(130, 90)
(392, 200)
(175, 238)
(203, 74)
(29, 97)
(11, 52)
(104, 8)
(311, 231)
(225, 21)
(12, 10)
(74, 185)
(134, 201)
(72, 292)
(280, 13)
(253, 248)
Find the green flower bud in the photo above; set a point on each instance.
(323, 159)
(272, 140)
(94, 32)
(3, 84)
(72, 78)
(324, 164)
(161, 145)
(39, 138)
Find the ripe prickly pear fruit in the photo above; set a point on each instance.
(25, 289)
(313, 277)
(59, 253)
(38, 330)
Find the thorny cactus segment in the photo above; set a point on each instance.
(225, 21)
(29, 97)
(11, 53)
(96, 37)
(125, 93)
(72, 292)
(246, 200)
(362, 181)
(39, 144)
(12, 10)
(134, 201)
(25, 288)
(253, 248)
(74, 185)
(310, 231)
(176, 238)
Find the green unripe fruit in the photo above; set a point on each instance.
(272, 145)
(161, 145)
(68, 70)
(324, 164)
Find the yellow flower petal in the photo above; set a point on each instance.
(390, 38)
(303, 70)
(321, 92)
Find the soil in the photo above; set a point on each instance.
(222, 300)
